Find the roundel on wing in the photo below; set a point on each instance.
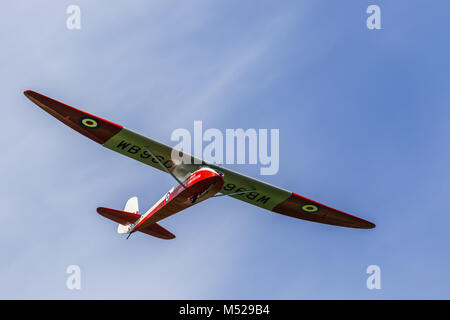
(167, 196)
(309, 208)
(90, 123)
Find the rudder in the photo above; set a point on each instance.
(132, 206)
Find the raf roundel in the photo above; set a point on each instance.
(89, 123)
(310, 208)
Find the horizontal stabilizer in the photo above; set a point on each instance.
(119, 216)
(157, 231)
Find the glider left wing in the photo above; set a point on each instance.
(136, 146)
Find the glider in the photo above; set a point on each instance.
(196, 182)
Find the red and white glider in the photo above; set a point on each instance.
(196, 182)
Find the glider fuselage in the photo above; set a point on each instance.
(199, 186)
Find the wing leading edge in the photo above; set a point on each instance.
(134, 145)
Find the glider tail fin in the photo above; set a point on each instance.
(132, 206)
(123, 229)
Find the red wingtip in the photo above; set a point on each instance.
(93, 127)
(303, 208)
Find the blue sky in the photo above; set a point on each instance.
(363, 118)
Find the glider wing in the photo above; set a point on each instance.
(136, 146)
